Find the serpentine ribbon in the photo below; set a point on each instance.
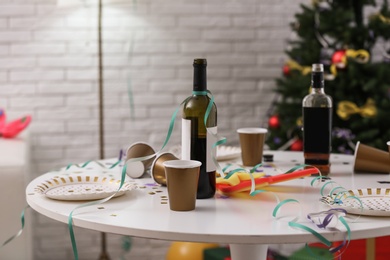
(346, 109)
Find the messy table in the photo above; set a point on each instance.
(244, 222)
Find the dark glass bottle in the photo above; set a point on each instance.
(197, 141)
(317, 123)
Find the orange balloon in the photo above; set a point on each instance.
(187, 250)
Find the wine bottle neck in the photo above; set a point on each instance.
(200, 77)
(317, 80)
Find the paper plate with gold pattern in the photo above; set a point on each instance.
(82, 187)
(223, 152)
(368, 202)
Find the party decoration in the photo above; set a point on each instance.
(187, 250)
(13, 128)
(346, 109)
(239, 182)
(339, 58)
(297, 145)
(286, 70)
(274, 122)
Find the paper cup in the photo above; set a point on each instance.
(252, 145)
(182, 183)
(157, 171)
(370, 160)
(135, 169)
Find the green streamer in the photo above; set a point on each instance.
(19, 232)
(276, 209)
(315, 233)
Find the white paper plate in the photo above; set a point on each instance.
(375, 201)
(223, 152)
(228, 153)
(82, 187)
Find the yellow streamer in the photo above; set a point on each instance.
(295, 66)
(361, 56)
(346, 109)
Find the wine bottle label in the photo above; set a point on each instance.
(186, 139)
(195, 147)
(211, 140)
(317, 129)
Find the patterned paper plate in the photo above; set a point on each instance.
(224, 152)
(228, 153)
(82, 187)
(368, 202)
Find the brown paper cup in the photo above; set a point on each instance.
(252, 144)
(370, 160)
(182, 183)
(158, 170)
(137, 168)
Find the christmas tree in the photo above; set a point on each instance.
(354, 47)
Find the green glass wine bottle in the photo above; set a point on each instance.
(197, 141)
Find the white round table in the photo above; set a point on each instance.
(244, 222)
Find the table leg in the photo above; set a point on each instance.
(248, 252)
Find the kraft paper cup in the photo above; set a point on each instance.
(136, 169)
(182, 183)
(369, 159)
(252, 145)
(157, 171)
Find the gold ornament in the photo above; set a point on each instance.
(346, 109)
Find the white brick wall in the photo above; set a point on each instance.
(48, 68)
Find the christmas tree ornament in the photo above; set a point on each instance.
(339, 59)
(286, 70)
(297, 145)
(346, 109)
(274, 122)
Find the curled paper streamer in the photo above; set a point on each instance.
(19, 232)
(324, 219)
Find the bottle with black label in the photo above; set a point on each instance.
(197, 141)
(317, 123)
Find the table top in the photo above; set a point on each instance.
(239, 219)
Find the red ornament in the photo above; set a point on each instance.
(273, 122)
(286, 70)
(339, 59)
(297, 145)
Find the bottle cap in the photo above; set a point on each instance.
(317, 67)
(200, 62)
